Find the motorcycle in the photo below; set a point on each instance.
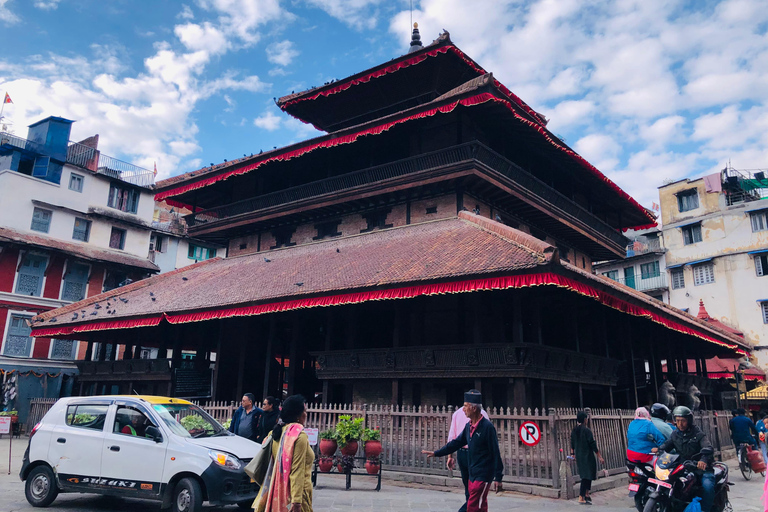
(676, 483)
(639, 473)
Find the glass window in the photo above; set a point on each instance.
(759, 221)
(198, 253)
(687, 200)
(123, 198)
(31, 275)
(41, 166)
(131, 421)
(87, 416)
(678, 278)
(649, 270)
(691, 234)
(761, 264)
(75, 182)
(703, 274)
(115, 279)
(41, 220)
(82, 229)
(18, 342)
(117, 238)
(612, 274)
(75, 281)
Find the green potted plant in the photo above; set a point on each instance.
(325, 464)
(372, 443)
(328, 443)
(348, 433)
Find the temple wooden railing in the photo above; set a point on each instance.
(487, 360)
(124, 370)
(471, 152)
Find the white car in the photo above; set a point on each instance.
(157, 448)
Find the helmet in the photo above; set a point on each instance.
(659, 411)
(683, 411)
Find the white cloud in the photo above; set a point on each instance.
(282, 53)
(202, 37)
(5, 13)
(268, 121)
(186, 13)
(358, 14)
(47, 5)
(600, 149)
(663, 131)
(570, 112)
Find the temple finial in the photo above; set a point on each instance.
(415, 39)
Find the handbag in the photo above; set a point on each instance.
(257, 468)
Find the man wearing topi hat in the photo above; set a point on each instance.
(484, 458)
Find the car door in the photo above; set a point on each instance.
(131, 462)
(76, 443)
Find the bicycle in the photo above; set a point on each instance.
(744, 465)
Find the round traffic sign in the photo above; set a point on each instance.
(530, 434)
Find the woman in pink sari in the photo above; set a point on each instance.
(288, 485)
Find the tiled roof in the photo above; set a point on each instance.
(84, 251)
(417, 253)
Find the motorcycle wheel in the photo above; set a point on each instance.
(640, 502)
(654, 506)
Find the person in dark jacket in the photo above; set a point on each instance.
(743, 430)
(245, 421)
(484, 457)
(270, 412)
(688, 441)
(584, 449)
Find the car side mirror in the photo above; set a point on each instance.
(153, 433)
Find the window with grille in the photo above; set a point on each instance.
(688, 200)
(29, 282)
(703, 274)
(75, 282)
(759, 221)
(649, 270)
(678, 279)
(761, 264)
(75, 182)
(691, 234)
(41, 220)
(63, 349)
(764, 305)
(123, 198)
(82, 230)
(18, 342)
(117, 239)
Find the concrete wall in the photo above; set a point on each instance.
(727, 238)
(17, 191)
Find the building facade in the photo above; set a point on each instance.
(716, 235)
(73, 224)
(436, 238)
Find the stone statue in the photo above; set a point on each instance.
(694, 398)
(667, 395)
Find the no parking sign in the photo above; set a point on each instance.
(530, 434)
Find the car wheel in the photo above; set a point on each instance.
(187, 496)
(40, 488)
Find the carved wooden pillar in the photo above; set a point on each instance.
(89, 349)
(102, 351)
(630, 336)
(270, 358)
(293, 351)
(113, 352)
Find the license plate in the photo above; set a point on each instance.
(659, 482)
(634, 487)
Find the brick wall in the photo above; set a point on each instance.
(444, 207)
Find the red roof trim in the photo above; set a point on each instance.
(376, 130)
(412, 61)
(473, 285)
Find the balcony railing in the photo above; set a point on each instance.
(471, 152)
(646, 247)
(89, 158)
(93, 159)
(642, 284)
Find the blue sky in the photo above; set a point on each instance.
(647, 90)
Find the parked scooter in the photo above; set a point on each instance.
(676, 483)
(639, 473)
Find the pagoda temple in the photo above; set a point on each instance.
(437, 237)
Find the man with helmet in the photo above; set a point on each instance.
(688, 440)
(659, 415)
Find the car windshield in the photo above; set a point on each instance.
(189, 420)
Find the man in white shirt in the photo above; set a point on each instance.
(458, 421)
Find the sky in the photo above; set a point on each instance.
(649, 91)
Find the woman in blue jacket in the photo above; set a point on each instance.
(762, 433)
(642, 437)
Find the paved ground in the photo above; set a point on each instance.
(331, 496)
